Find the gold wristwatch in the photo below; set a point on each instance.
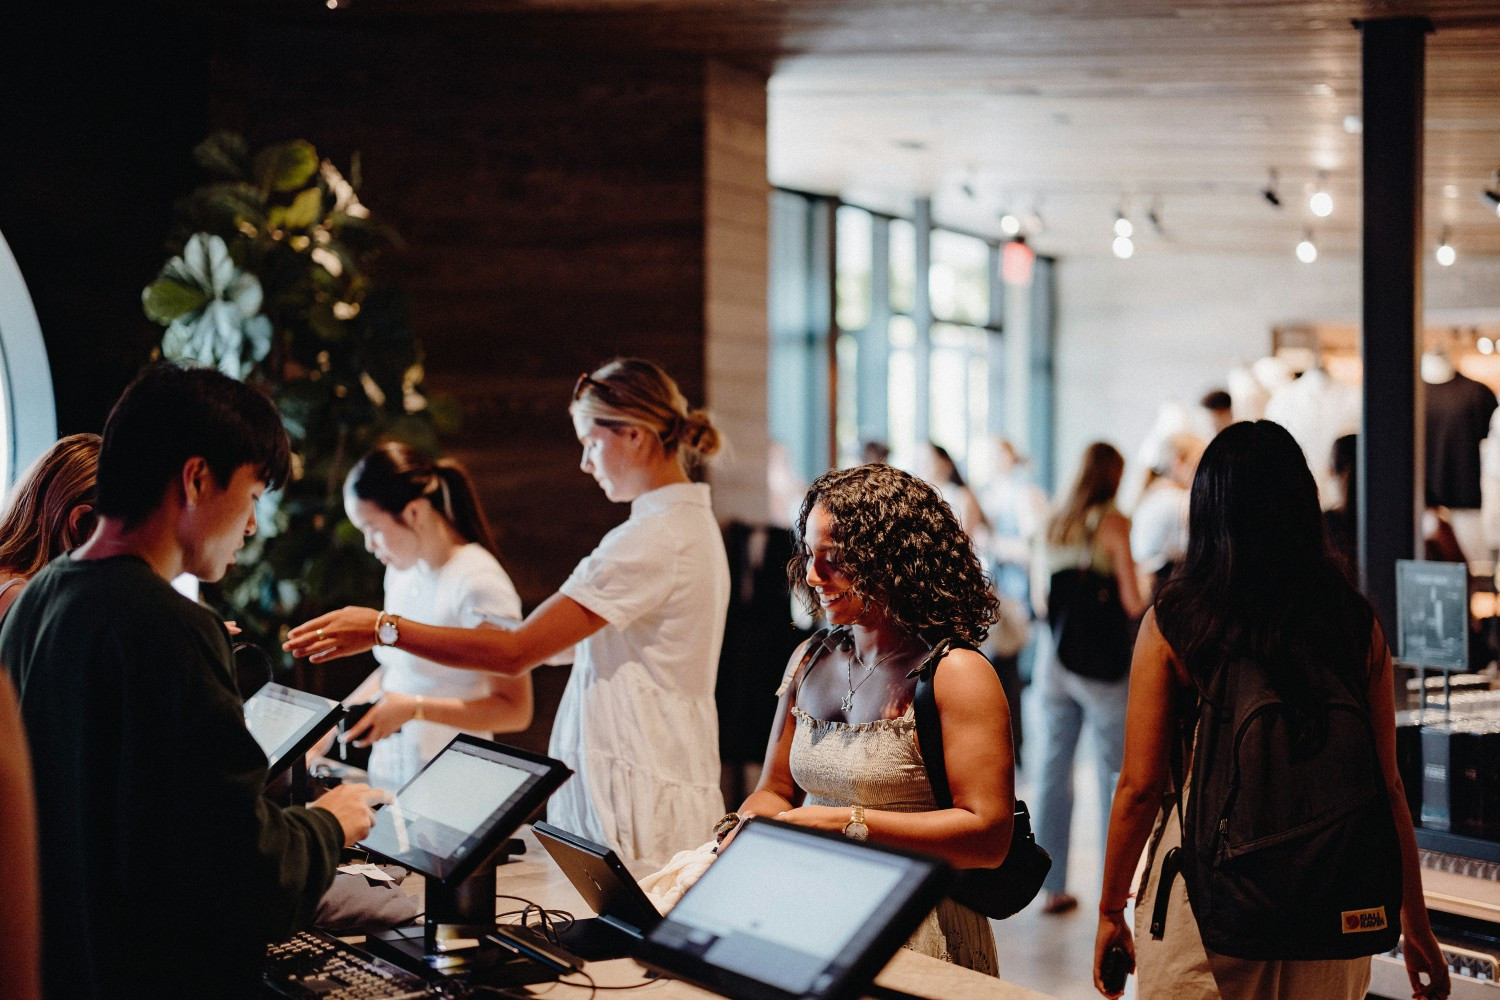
(386, 632)
(855, 829)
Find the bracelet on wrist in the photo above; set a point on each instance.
(1106, 911)
(417, 713)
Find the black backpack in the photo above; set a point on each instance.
(1289, 850)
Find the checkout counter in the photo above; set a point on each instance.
(743, 930)
(1449, 756)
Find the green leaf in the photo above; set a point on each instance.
(287, 166)
(224, 154)
(306, 209)
(166, 300)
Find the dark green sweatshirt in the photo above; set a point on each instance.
(164, 869)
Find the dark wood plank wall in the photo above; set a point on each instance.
(551, 205)
(551, 194)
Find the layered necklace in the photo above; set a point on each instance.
(847, 704)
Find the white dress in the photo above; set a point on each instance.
(466, 591)
(637, 721)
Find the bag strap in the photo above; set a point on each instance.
(816, 643)
(929, 725)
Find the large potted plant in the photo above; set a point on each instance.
(269, 283)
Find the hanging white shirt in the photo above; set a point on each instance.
(637, 721)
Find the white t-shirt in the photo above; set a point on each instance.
(1159, 526)
(466, 591)
(637, 721)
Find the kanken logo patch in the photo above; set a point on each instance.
(1359, 921)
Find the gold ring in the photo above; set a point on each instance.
(319, 633)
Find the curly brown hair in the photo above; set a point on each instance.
(900, 544)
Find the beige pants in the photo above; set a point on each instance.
(1179, 968)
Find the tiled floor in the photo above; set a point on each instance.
(1055, 954)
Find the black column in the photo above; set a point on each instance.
(1390, 459)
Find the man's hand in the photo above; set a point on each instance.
(353, 805)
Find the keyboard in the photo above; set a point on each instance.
(314, 964)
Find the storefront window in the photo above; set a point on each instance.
(852, 250)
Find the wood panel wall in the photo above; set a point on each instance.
(736, 213)
(560, 203)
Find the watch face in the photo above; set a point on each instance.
(388, 633)
(856, 831)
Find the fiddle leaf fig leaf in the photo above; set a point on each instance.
(224, 154)
(287, 166)
(165, 300)
(306, 209)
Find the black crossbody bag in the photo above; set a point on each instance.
(995, 892)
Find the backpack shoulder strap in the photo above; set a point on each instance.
(930, 725)
(816, 644)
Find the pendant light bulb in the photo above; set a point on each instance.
(1307, 250)
(1321, 202)
(1446, 255)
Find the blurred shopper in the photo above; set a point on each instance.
(1087, 552)
(20, 920)
(1260, 599)
(1016, 509)
(940, 470)
(1219, 406)
(1159, 526)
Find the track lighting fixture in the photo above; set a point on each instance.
(1153, 216)
(1269, 191)
(1307, 250)
(1446, 255)
(1321, 201)
(1123, 226)
(1491, 194)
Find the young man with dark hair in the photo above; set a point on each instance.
(164, 870)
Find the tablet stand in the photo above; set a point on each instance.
(451, 942)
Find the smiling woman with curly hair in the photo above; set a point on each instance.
(901, 545)
(882, 558)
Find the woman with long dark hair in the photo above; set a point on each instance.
(422, 519)
(1087, 531)
(882, 558)
(644, 612)
(1260, 586)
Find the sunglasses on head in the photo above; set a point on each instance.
(585, 381)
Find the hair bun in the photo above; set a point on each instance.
(698, 433)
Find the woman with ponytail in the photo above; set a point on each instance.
(422, 519)
(645, 610)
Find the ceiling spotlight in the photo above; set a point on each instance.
(1122, 247)
(1446, 255)
(1010, 224)
(1307, 250)
(1321, 201)
(1485, 345)
(1269, 191)
(1123, 226)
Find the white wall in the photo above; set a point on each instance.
(1133, 335)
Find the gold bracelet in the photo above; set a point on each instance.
(418, 713)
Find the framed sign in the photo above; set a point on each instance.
(1432, 608)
